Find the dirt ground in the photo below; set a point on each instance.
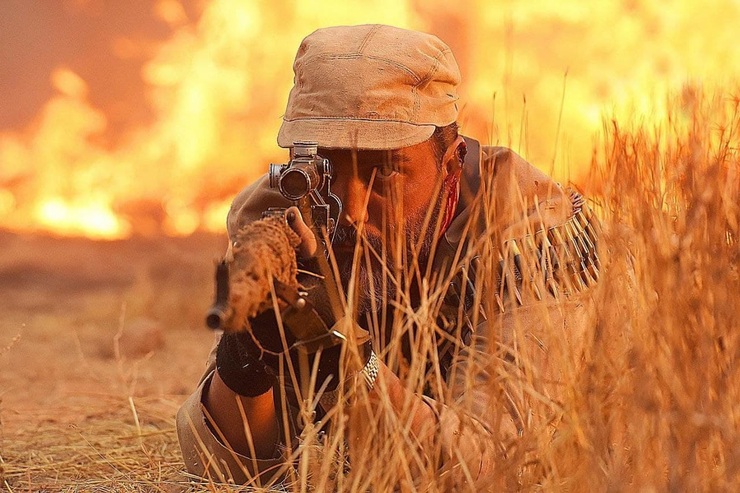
(99, 344)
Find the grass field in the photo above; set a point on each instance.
(101, 341)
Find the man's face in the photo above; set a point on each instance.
(391, 204)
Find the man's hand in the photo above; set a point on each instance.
(273, 336)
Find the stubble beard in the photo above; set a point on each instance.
(377, 274)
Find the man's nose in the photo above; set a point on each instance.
(353, 194)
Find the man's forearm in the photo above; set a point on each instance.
(234, 416)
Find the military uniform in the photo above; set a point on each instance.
(512, 222)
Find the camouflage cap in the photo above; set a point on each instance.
(370, 87)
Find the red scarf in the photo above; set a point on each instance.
(450, 189)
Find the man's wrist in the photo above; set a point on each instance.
(370, 371)
(368, 375)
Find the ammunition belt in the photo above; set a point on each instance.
(563, 259)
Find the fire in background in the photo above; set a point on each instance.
(146, 117)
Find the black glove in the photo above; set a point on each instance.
(248, 361)
(249, 356)
(265, 339)
(239, 370)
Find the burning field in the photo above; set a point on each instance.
(114, 185)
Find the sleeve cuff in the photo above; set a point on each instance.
(208, 458)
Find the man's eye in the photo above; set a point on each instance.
(385, 171)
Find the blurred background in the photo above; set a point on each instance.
(126, 127)
(145, 117)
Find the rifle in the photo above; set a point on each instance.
(261, 259)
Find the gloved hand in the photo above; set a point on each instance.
(239, 369)
(314, 309)
(271, 343)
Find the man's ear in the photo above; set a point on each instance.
(454, 157)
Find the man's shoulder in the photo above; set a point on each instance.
(523, 212)
(508, 178)
(499, 160)
(493, 152)
(251, 202)
(521, 195)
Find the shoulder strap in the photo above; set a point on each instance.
(470, 175)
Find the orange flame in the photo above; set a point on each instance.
(218, 86)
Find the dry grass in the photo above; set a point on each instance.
(653, 403)
(658, 407)
(106, 452)
(98, 344)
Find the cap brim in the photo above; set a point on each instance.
(353, 134)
